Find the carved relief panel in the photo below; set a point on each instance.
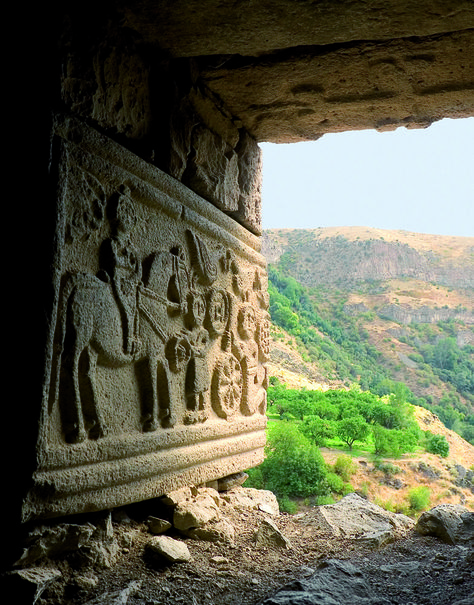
(160, 335)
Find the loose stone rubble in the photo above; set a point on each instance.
(238, 543)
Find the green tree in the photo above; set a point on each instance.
(318, 430)
(354, 428)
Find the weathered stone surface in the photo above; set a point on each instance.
(293, 72)
(248, 498)
(174, 551)
(158, 526)
(268, 534)
(158, 343)
(304, 93)
(279, 24)
(452, 523)
(334, 583)
(219, 531)
(354, 516)
(197, 512)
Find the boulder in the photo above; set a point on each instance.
(334, 583)
(356, 517)
(247, 498)
(452, 523)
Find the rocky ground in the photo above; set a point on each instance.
(202, 546)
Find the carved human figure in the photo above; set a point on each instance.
(246, 351)
(120, 263)
(197, 382)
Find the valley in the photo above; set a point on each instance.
(381, 312)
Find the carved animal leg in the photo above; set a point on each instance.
(91, 407)
(76, 433)
(192, 407)
(150, 417)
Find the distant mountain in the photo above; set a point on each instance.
(333, 255)
(378, 307)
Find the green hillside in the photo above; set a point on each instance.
(389, 311)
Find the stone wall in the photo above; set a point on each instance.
(155, 369)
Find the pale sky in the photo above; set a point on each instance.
(416, 180)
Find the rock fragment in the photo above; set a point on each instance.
(247, 498)
(174, 551)
(221, 531)
(27, 585)
(226, 483)
(268, 534)
(198, 511)
(157, 526)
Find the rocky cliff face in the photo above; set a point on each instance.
(324, 256)
(426, 315)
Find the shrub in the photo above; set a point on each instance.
(293, 466)
(437, 444)
(336, 484)
(347, 488)
(345, 467)
(255, 478)
(387, 468)
(419, 498)
(287, 506)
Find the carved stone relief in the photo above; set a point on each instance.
(157, 354)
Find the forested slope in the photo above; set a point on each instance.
(390, 311)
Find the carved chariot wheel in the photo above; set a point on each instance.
(227, 386)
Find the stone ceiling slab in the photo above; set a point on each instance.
(302, 94)
(191, 28)
(292, 71)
